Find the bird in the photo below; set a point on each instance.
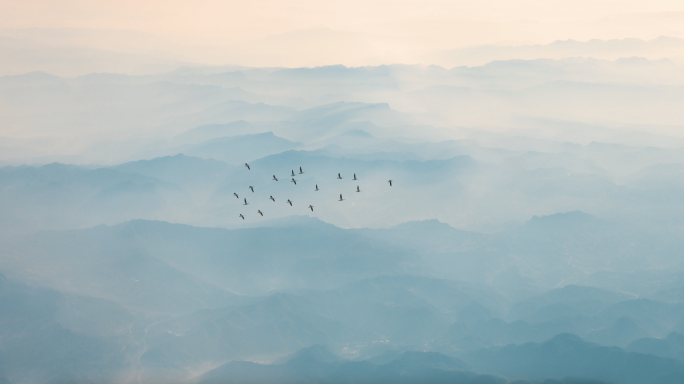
(259, 210)
(357, 189)
(294, 181)
(289, 202)
(317, 187)
(293, 172)
(390, 181)
(236, 195)
(300, 170)
(248, 168)
(311, 206)
(341, 199)
(354, 176)
(338, 176)
(252, 188)
(272, 199)
(246, 203)
(242, 216)
(275, 178)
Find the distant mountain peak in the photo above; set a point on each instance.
(313, 354)
(429, 223)
(293, 221)
(562, 219)
(357, 133)
(432, 359)
(564, 340)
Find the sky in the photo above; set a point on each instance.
(294, 33)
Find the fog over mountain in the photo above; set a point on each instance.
(532, 231)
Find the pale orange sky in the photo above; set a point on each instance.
(262, 18)
(267, 32)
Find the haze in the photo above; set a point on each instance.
(531, 232)
(313, 33)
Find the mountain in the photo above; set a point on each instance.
(214, 131)
(264, 328)
(622, 332)
(317, 256)
(240, 149)
(35, 78)
(670, 346)
(546, 251)
(316, 365)
(566, 301)
(657, 318)
(178, 169)
(568, 355)
(600, 49)
(402, 310)
(172, 267)
(428, 235)
(332, 119)
(58, 196)
(662, 182)
(107, 263)
(50, 336)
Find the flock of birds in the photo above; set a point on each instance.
(301, 172)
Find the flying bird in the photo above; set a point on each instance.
(390, 181)
(246, 203)
(311, 206)
(289, 202)
(252, 188)
(357, 189)
(272, 199)
(317, 187)
(242, 216)
(300, 170)
(354, 176)
(341, 199)
(236, 195)
(260, 212)
(248, 168)
(294, 181)
(338, 176)
(293, 172)
(274, 178)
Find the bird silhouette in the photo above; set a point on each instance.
(355, 176)
(294, 181)
(274, 178)
(252, 188)
(311, 206)
(246, 203)
(272, 199)
(289, 202)
(260, 212)
(338, 176)
(300, 170)
(357, 189)
(248, 168)
(317, 187)
(390, 181)
(341, 199)
(242, 216)
(293, 172)
(236, 195)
